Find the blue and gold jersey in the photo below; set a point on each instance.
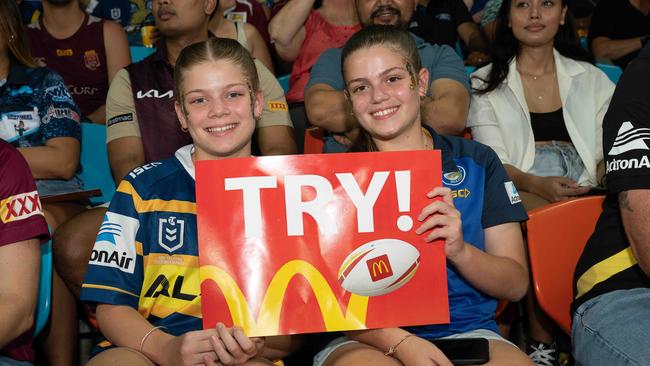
(485, 197)
(146, 252)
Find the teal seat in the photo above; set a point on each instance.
(139, 52)
(44, 304)
(613, 72)
(469, 69)
(284, 82)
(96, 171)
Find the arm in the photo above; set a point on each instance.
(553, 189)
(124, 326)
(327, 108)
(614, 49)
(125, 154)
(276, 140)
(58, 159)
(411, 351)
(446, 108)
(473, 38)
(118, 56)
(259, 50)
(500, 271)
(635, 214)
(19, 270)
(287, 28)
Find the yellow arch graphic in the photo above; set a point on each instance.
(268, 320)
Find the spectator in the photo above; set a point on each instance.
(86, 51)
(488, 18)
(21, 229)
(215, 83)
(619, 29)
(249, 11)
(40, 119)
(300, 33)
(611, 316)
(444, 108)
(244, 33)
(443, 22)
(485, 255)
(140, 111)
(539, 105)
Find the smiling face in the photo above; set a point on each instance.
(385, 94)
(536, 22)
(218, 111)
(393, 12)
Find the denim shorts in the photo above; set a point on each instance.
(557, 159)
(613, 329)
(50, 187)
(322, 356)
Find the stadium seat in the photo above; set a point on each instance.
(613, 72)
(139, 52)
(284, 82)
(469, 69)
(557, 234)
(314, 140)
(43, 303)
(96, 172)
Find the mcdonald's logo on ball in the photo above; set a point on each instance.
(379, 267)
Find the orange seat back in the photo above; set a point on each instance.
(314, 140)
(557, 234)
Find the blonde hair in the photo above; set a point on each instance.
(11, 27)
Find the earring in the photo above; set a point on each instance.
(184, 129)
(11, 38)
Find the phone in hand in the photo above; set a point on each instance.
(464, 351)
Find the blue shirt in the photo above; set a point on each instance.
(441, 61)
(485, 197)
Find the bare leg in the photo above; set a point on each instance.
(120, 356)
(72, 244)
(60, 337)
(355, 354)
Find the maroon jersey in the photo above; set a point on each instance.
(79, 59)
(21, 218)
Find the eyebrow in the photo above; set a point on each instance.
(387, 71)
(225, 87)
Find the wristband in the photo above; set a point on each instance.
(391, 351)
(148, 334)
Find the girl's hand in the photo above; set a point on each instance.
(232, 346)
(556, 189)
(416, 351)
(443, 219)
(191, 348)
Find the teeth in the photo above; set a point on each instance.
(221, 129)
(384, 112)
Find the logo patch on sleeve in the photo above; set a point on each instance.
(127, 117)
(20, 207)
(276, 105)
(115, 246)
(512, 193)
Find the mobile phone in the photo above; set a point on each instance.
(464, 351)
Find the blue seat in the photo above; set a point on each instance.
(469, 69)
(96, 171)
(284, 82)
(44, 304)
(613, 72)
(139, 52)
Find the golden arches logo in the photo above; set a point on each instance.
(268, 319)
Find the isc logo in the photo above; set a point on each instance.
(141, 169)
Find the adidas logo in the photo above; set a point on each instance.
(629, 138)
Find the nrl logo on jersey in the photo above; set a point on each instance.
(171, 231)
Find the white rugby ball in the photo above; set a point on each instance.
(379, 267)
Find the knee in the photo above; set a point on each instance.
(72, 244)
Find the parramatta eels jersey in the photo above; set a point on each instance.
(485, 197)
(146, 252)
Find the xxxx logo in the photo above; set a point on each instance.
(20, 207)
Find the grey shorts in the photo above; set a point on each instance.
(321, 357)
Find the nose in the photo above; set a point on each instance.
(217, 108)
(534, 11)
(379, 94)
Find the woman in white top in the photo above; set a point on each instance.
(540, 103)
